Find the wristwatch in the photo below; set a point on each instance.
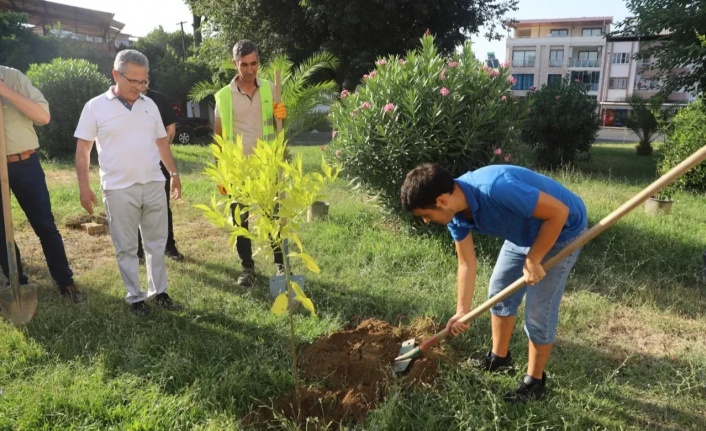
(174, 174)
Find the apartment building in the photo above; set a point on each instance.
(543, 50)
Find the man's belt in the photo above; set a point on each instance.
(19, 156)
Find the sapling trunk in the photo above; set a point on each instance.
(292, 340)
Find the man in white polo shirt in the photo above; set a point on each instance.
(131, 140)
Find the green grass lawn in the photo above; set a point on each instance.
(630, 352)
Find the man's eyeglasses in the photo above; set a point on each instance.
(135, 82)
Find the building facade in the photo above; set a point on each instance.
(543, 50)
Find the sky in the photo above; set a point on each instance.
(142, 16)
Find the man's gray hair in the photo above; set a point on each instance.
(243, 48)
(130, 56)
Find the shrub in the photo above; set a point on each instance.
(423, 108)
(67, 84)
(562, 123)
(686, 134)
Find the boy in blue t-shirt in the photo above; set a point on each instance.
(537, 217)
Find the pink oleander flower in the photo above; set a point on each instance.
(506, 64)
(381, 62)
(338, 153)
(512, 80)
(442, 76)
(389, 107)
(453, 64)
(508, 158)
(494, 72)
(444, 91)
(504, 98)
(403, 61)
(365, 105)
(485, 67)
(345, 94)
(532, 88)
(558, 97)
(498, 151)
(366, 76)
(373, 74)
(333, 134)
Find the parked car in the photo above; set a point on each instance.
(188, 128)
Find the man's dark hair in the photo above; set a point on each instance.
(424, 184)
(243, 48)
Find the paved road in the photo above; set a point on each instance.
(606, 134)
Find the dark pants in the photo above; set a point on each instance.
(171, 244)
(29, 186)
(244, 245)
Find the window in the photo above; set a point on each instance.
(620, 58)
(552, 78)
(556, 57)
(523, 58)
(523, 81)
(588, 55)
(524, 33)
(618, 83)
(592, 32)
(559, 32)
(586, 59)
(585, 77)
(646, 83)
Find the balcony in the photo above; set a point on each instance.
(556, 62)
(523, 63)
(575, 62)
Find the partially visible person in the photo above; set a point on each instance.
(23, 105)
(169, 120)
(537, 217)
(131, 140)
(245, 107)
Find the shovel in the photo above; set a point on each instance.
(409, 352)
(278, 283)
(18, 302)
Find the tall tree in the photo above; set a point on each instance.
(684, 20)
(355, 31)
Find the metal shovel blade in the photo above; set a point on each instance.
(401, 365)
(19, 304)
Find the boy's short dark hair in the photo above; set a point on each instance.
(243, 48)
(424, 184)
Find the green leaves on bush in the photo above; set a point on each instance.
(67, 84)
(686, 135)
(423, 108)
(562, 122)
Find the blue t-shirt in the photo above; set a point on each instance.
(502, 199)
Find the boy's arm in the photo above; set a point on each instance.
(554, 214)
(466, 283)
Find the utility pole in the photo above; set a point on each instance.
(183, 46)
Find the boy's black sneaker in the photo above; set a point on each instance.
(493, 363)
(139, 308)
(529, 389)
(164, 301)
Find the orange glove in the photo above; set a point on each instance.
(222, 189)
(279, 110)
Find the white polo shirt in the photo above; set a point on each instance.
(126, 139)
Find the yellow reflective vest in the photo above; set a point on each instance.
(224, 102)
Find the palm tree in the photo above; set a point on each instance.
(646, 120)
(299, 94)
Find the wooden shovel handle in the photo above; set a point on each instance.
(7, 207)
(584, 238)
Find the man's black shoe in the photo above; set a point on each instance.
(71, 292)
(139, 308)
(493, 363)
(174, 254)
(164, 301)
(529, 389)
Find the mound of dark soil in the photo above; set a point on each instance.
(351, 371)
